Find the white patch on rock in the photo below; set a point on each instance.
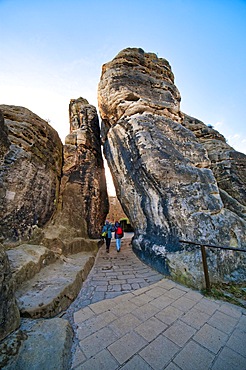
(10, 195)
(161, 250)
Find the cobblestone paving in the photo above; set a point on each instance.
(151, 323)
(113, 274)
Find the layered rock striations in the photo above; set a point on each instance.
(83, 201)
(163, 172)
(30, 171)
(136, 82)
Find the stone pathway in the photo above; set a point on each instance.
(113, 274)
(151, 322)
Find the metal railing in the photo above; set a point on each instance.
(204, 259)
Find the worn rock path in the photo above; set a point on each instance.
(129, 317)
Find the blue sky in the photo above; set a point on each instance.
(52, 51)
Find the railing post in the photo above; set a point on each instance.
(204, 259)
(205, 268)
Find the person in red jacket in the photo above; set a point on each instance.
(118, 235)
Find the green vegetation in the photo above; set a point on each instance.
(233, 293)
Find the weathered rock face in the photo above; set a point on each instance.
(4, 141)
(30, 171)
(228, 165)
(9, 312)
(162, 171)
(83, 203)
(36, 189)
(141, 83)
(83, 183)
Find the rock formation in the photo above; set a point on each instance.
(66, 206)
(83, 201)
(228, 165)
(163, 171)
(30, 171)
(84, 191)
(9, 312)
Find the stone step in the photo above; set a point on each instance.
(55, 286)
(59, 240)
(26, 260)
(78, 244)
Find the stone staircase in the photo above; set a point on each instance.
(45, 283)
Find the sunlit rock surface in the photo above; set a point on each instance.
(228, 165)
(163, 173)
(30, 171)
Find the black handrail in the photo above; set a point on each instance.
(204, 260)
(214, 246)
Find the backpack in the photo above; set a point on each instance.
(119, 231)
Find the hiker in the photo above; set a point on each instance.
(118, 235)
(107, 234)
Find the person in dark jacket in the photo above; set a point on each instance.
(108, 229)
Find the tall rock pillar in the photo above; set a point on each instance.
(83, 201)
(162, 172)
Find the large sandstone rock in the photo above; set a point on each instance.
(162, 172)
(30, 172)
(140, 83)
(9, 312)
(83, 183)
(228, 165)
(83, 202)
